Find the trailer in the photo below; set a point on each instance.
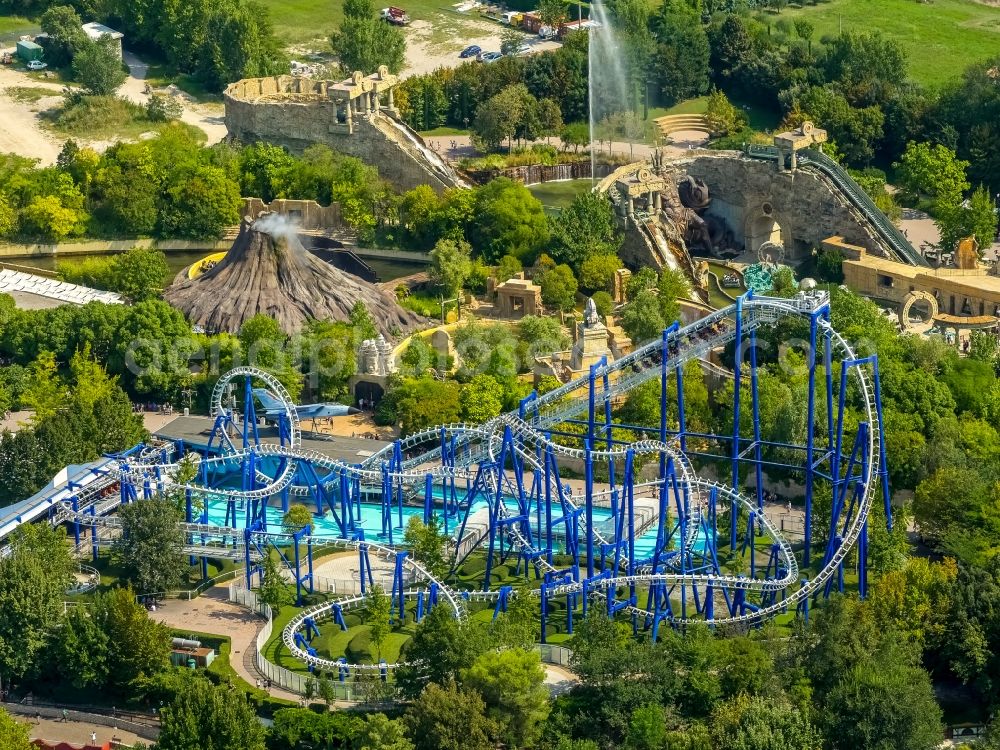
(395, 16)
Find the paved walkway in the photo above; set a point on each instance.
(213, 613)
(53, 730)
(455, 147)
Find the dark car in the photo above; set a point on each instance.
(472, 50)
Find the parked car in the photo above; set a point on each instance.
(473, 50)
(523, 49)
(37, 65)
(491, 57)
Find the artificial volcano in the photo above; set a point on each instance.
(268, 271)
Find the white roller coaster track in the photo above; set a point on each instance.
(479, 442)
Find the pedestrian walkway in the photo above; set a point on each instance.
(79, 733)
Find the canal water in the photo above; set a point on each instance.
(177, 262)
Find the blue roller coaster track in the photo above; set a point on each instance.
(652, 541)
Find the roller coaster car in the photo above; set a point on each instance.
(730, 280)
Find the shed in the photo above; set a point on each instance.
(28, 51)
(95, 31)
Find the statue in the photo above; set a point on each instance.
(590, 316)
(375, 357)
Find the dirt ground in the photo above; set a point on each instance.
(435, 44)
(21, 130)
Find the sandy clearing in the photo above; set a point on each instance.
(209, 118)
(425, 52)
(21, 129)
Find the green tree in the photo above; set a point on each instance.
(46, 393)
(512, 685)
(575, 134)
(8, 217)
(723, 116)
(510, 40)
(46, 216)
(884, 706)
(759, 723)
(934, 170)
(451, 264)
(551, 12)
(433, 719)
(647, 728)
(65, 31)
(673, 286)
(377, 608)
(957, 220)
(598, 271)
(81, 650)
(558, 287)
(150, 548)
(296, 727)
(427, 544)
(203, 716)
(508, 268)
(508, 220)
(584, 229)
(273, 588)
(200, 204)
(13, 733)
(97, 67)
(296, 518)
(138, 273)
(138, 645)
(365, 43)
(481, 398)
(641, 318)
(423, 402)
(382, 733)
(30, 612)
(440, 648)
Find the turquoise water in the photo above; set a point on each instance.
(371, 521)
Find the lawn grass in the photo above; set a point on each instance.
(442, 131)
(12, 27)
(109, 118)
(297, 21)
(942, 38)
(29, 94)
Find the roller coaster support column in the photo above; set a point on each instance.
(76, 519)
(93, 530)
(364, 568)
(249, 415)
(863, 561)
(755, 399)
(503, 599)
(589, 498)
(735, 447)
(398, 588)
(814, 319)
(428, 498)
(549, 461)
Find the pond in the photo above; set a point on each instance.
(557, 194)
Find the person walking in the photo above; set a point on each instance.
(93, 738)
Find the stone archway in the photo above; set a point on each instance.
(917, 301)
(761, 227)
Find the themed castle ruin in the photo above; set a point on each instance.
(789, 197)
(356, 116)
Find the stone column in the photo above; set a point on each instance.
(631, 206)
(392, 104)
(794, 162)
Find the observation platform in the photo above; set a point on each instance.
(195, 432)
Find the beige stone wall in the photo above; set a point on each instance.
(296, 112)
(805, 206)
(307, 214)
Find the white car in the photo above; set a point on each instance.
(37, 65)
